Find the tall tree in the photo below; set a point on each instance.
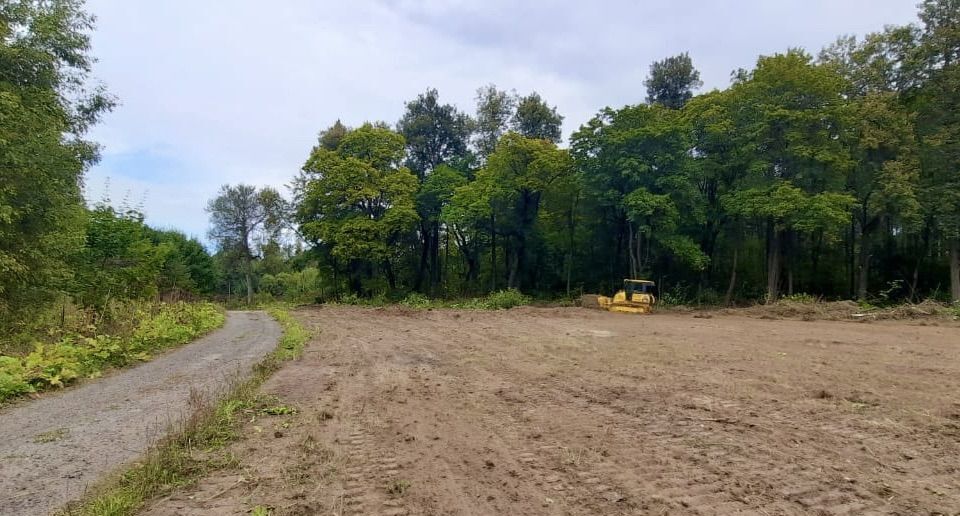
(672, 81)
(435, 134)
(46, 108)
(240, 216)
(330, 137)
(494, 111)
(516, 178)
(938, 104)
(534, 118)
(359, 201)
(791, 113)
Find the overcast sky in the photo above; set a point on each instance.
(218, 91)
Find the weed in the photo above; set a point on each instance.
(279, 410)
(51, 436)
(398, 487)
(260, 511)
(801, 298)
(416, 300)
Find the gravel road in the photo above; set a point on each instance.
(53, 448)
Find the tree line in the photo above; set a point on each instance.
(54, 250)
(833, 175)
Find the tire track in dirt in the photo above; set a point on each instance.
(53, 448)
(569, 412)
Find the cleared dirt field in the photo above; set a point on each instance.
(570, 411)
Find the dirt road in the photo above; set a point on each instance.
(569, 411)
(51, 449)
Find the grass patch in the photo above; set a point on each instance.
(197, 449)
(51, 436)
(398, 488)
(77, 355)
(500, 300)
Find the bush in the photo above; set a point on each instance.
(801, 298)
(501, 300)
(417, 300)
(76, 356)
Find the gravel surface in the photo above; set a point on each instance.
(53, 448)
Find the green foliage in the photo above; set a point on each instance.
(500, 300)
(672, 81)
(75, 356)
(357, 199)
(534, 118)
(46, 107)
(294, 337)
(119, 260)
(417, 300)
(434, 133)
(801, 298)
(835, 176)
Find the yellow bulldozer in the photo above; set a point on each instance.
(636, 297)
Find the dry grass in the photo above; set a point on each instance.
(845, 311)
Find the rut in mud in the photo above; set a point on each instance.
(569, 411)
(53, 448)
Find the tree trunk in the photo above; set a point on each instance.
(422, 268)
(914, 280)
(773, 264)
(571, 235)
(249, 279)
(514, 266)
(728, 298)
(955, 269)
(863, 268)
(391, 277)
(446, 257)
(434, 257)
(787, 258)
(493, 253)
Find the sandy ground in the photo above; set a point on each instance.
(570, 411)
(53, 448)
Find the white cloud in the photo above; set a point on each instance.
(236, 91)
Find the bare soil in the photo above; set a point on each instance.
(571, 411)
(53, 448)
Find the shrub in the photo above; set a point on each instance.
(417, 300)
(801, 298)
(76, 356)
(500, 300)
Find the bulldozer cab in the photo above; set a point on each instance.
(632, 286)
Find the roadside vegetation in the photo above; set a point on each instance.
(91, 346)
(500, 300)
(199, 446)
